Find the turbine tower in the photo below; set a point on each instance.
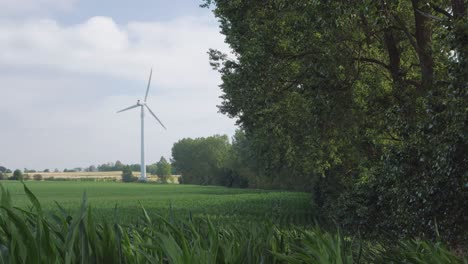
(142, 105)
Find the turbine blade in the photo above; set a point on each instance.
(149, 82)
(151, 112)
(128, 108)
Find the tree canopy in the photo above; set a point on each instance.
(362, 103)
(201, 160)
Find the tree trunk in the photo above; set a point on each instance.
(393, 55)
(423, 34)
(458, 8)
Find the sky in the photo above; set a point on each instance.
(67, 66)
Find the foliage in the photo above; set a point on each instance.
(37, 177)
(363, 103)
(201, 160)
(17, 175)
(127, 175)
(34, 236)
(163, 170)
(281, 207)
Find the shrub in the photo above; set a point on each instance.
(17, 175)
(127, 175)
(37, 177)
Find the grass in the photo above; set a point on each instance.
(230, 226)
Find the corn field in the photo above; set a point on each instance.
(37, 236)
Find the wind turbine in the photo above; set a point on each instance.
(142, 105)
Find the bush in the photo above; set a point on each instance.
(17, 176)
(127, 175)
(37, 177)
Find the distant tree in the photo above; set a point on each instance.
(135, 167)
(8, 171)
(46, 170)
(3, 169)
(78, 169)
(17, 175)
(56, 170)
(152, 169)
(163, 169)
(201, 160)
(127, 175)
(37, 177)
(118, 165)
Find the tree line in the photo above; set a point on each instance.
(162, 168)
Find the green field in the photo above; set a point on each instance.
(216, 202)
(180, 224)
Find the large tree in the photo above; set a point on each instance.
(353, 99)
(201, 160)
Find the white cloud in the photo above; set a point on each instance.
(61, 86)
(174, 48)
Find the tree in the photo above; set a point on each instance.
(118, 165)
(17, 175)
(152, 168)
(46, 170)
(163, 170)
(3, 169)
(127, 175)
(201, 160)
(362, 103)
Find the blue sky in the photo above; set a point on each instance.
(66, 67)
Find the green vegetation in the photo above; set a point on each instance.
(127, 175)
(185, 200)
(36, 236)
(17, 175)
(163, 170)
(362, 103)
(202, 160)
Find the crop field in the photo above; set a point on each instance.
(52, 222)
(184, 200)
(93, 176)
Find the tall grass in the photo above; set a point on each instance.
(34, 236)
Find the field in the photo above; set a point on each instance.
(93, 176)
(165, 223)
(158, 198)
